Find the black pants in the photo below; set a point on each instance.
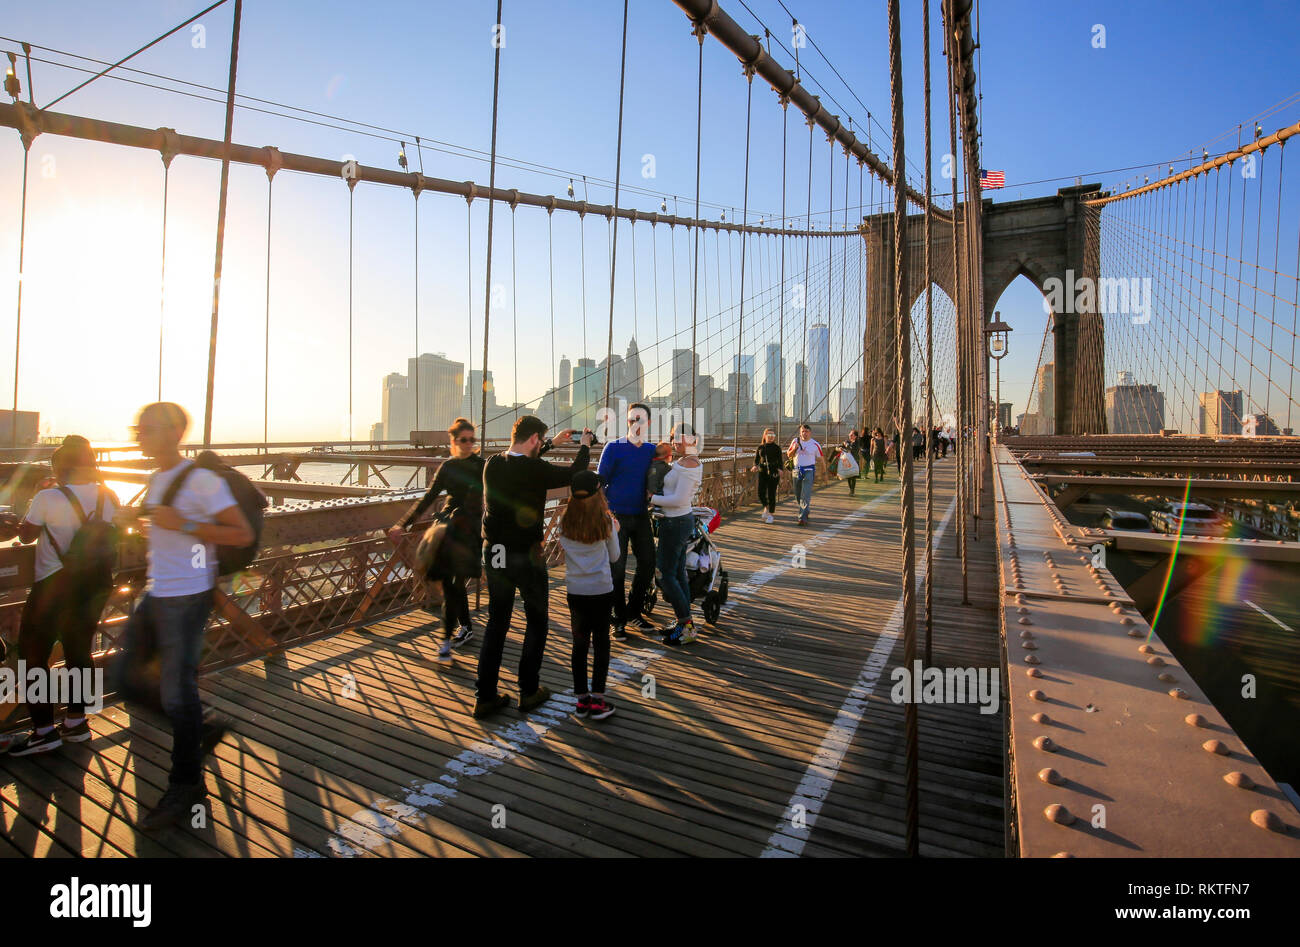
(526, 573)
(767, 484)
(589, 619)
(634, 533)
(53, 612)
(455, 605)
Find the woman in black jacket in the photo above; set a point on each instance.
(458, 558)
(854, 447)
(768, 462)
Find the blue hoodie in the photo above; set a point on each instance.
(622, 468)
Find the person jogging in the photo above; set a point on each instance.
(515, 484)
(169, 620)
(65, 600)
(458, 559)
(807, 456)
(622, 468)
(767, 462)
(589, 536)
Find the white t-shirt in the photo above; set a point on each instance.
(176, 566)
(51, 509)
(809, 451)
(680, 486)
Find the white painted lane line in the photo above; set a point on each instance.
(1281, 624)
(787, 841)
(385, 818)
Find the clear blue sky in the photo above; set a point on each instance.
(1170, 78)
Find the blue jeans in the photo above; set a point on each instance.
(803, 484)
(171, 630)
(674, 536)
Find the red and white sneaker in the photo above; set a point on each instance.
(599, 707)
(584, 705)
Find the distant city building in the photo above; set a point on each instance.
(773, 377)
(1220, 412)
(800, 397)
(397, 408)
(1004, 414)
(439, 384)
(1134, 409)
(1260, 425)
(739, 391)
(377, 432)
(849, 404)
(1046, 422)
(566, 381)
(685, 367)
(819, 371)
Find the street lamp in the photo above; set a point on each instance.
(996, 332)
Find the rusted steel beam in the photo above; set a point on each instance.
(749, 50)
(20, 116)
(1116, 751)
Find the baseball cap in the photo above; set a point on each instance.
(584, 484)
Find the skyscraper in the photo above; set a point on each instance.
(774, 377)
(440, 385)
(800, 397)
(1220, 412)
(819, 371)
(566, 379)
(1047, 399)
(1134, 409)
(685, 368)
(397, 403)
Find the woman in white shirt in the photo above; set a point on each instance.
(681, 483)
(56, 610)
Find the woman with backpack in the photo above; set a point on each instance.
(458, 557)
(73, 578)
(588, 534)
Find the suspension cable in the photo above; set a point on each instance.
(618, 178)
(492, 183)
(740, 331)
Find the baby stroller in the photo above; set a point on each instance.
(704, 572)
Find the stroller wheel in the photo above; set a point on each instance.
(722, 587)
(648, 606)
(712, 606)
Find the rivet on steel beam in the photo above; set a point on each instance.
(1135, 633)
(1031, 659)
(1195, 720)
(1026, 634)
(1034, 672)
(1037, 695)
(1266, 819)
(1020, 600)
(1156, 661)
(1049, 775)
(1147, 649)
(1041, 717)
(1166, 677)
(1178, 693)
(1029, 646)
(1215, 746)
(1061, 816)
(1240, 780)
(1022, 610)
(1116, 607)
(1126, 620)
(1046, 744)
(1024, 621)
(1063, 855)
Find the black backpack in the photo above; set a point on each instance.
(230, 559)
(91, 555)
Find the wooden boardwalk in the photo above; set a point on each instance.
(775, 734)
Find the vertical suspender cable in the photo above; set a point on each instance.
(266, 343)
(699, 31)
(221, 226)
(469, 306)
(417, 314)
(929, 354)
(492, 183)
(162, 266)
(550, 264)
(352, 185)
(618, 177)
(803, 412)
(514, 309)
(18, 324)
(903, 316)
(780, 352)
(740, 332)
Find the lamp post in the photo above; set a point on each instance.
(996, 333)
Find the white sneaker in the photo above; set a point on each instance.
(444, 653)
(768, 518)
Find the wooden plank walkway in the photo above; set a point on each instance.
(775, 734)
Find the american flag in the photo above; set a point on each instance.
(992, 179)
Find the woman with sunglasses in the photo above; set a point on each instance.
(461, 476)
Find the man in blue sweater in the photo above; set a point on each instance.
(623, 466)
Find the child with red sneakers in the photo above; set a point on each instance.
(588, 534)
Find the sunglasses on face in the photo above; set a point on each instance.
(466, 440)
(138, 429)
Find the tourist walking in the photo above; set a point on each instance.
(676, 526)
(515, 483)
(589, 535)
(458, 557)
(76, 545)
(879, 450)
(767, 463)
(190, 512)
(807, 456)
(854, 447)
